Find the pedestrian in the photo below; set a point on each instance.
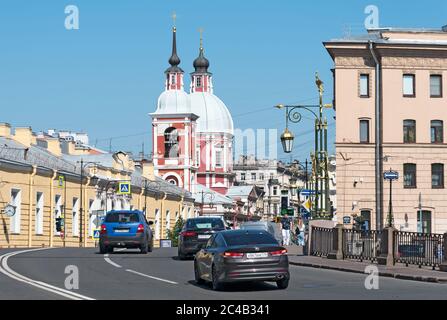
(286, 226)
(301, 230)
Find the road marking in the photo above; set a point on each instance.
(150, 277)
(107, 259)
(5, 269)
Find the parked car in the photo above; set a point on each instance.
(196, 232)
(126, 229)
(242, 255)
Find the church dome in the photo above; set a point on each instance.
(173, 102)
(214, 116)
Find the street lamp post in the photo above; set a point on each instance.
(81, 207)
(320, 156)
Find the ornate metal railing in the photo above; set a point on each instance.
(361, 245)
(419, 249)
(321, 241)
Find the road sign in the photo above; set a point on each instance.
(391, 175)
(307, 193)
(61, 182)
(96, 234)
(124, 188)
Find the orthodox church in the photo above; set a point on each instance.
(192, 132)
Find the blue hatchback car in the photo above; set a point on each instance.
(126, 229)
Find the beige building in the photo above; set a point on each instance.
(412, 69)
(42, 184)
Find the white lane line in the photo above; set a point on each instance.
(107, 259)
(5, 269)
(150, 277)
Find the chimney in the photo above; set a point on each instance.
(52, 145)
(148, 169)
(24, 136)
(5, 130)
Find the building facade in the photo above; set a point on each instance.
(43, 185)
(410, 69)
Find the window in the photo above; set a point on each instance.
(57, 211)
(364, 131)
(171, 143)
(366, 220)
(437, 173)
(275, 191)
(409, 176)
(436, 86)
(39, 214)
(173, 79)
(168, 220)
(199, 82)
(272, 176)
(16, 201)
(157, 224)
(437, 131)
(409, 85)
(75, 219)
(219, 158)
(253, 176)
(364, 85)
(261, 177)
(426, 222)
(242, 176)
(409, 131)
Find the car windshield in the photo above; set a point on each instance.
(205, 224)
(241, 239)
(122, 217)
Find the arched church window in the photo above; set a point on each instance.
(171, 143)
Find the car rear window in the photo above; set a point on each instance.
(254, 227)
(205, 224)
(241, 239)
(122, 217)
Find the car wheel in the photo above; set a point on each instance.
(103, 249)
(109, 249)
(181, 255)
(144, 248)
(198, 279)
(151, 246)
(283, 283)
(216, 284)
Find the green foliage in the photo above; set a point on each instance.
(174, 233)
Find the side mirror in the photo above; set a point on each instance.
(151, 223)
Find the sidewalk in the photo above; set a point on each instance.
(398, 272)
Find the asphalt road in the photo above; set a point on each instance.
(160, 276)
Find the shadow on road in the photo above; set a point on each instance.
(239, 287)
(176, 258)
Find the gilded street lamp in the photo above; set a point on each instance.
(320, 157)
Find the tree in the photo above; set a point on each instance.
(175, 232)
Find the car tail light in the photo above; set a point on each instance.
(188, 234)
(233, 255)
(103, 229)
(279, 253)
(140, 229)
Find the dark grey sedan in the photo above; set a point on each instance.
(242, 256)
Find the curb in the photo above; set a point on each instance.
(381, 273)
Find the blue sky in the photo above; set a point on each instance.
(105, 78)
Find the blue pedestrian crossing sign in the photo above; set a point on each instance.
(96, 234)
(124, 188)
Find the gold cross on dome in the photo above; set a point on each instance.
(201, 37)
(174, 17)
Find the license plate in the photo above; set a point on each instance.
(258, 255)
(121, 230)
(205, 236)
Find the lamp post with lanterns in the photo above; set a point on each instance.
(320, 157)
